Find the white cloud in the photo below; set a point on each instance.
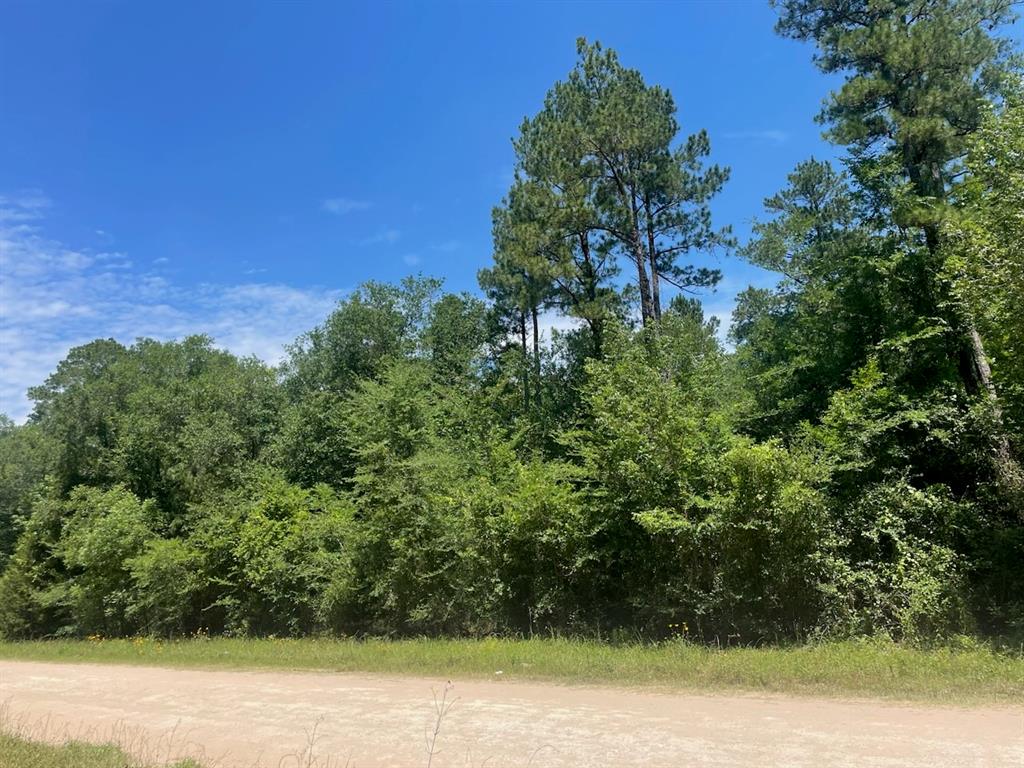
(770, 136)
(448, 246)
(53, 297)
(411, 259)
(553, 321)
(387, 236)
(343, 205)
(28, 205)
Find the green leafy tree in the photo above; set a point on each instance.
(986, 247)
(290, 549)
(919, 74)
(167, 419)
(103, 531)
(410, 554)
(167, 577)
(455, 337)
(26, 457)
(374, 325)
(33, 587)
(801, 341)
(76, 407)
(651, 444)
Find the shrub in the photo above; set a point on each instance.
(908, 581)
(102, 532)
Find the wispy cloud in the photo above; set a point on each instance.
(28, 205)
(447, 246)
(770, 136)
(54, 296)
(411, 259)
(343, 205)
(387, 236)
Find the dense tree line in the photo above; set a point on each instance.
(424, 462)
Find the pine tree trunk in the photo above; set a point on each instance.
(590, 288)
(976, 374)
(526, 361)
(536, 355)
(652, 251)
(639, 256)
(646, 304)
(979, 381)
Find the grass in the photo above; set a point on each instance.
(16, 752)
(850, 669)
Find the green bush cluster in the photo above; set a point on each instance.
(437, 513)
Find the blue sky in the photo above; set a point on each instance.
(235, 167)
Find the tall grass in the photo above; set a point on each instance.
(46, 742)
(867, 668)
(17, 752)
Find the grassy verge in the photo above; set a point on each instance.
(16, 752)
(869, 669)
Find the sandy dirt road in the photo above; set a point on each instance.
(240, 718)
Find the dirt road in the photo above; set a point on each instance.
(241, 718)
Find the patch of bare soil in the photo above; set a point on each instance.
(231, 718)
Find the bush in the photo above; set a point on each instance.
(102, 532)
(757, 561)
(274, 554)
(167, 577)
(907, 579)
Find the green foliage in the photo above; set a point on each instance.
(770, 532)
(374, 325)
(907, 580)
(25, 458)
(289, 548)
(919, 74)
(101, 532)
(167, 578)
(456, 335)
(833, 297)
(654, 432)
(986, 249)
(598, 168)
(433, 463)
(537, 561)
(172, 421)
(411, 552)
(33, 586)
(311, 446)
(921, 78)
